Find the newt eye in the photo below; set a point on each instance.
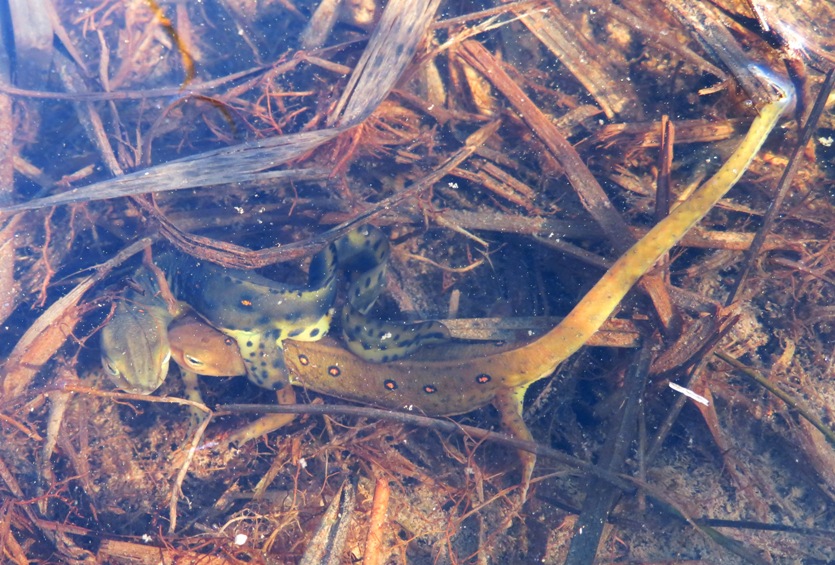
(193, 361)
(109, 366)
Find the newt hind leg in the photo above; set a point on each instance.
(268, 423)
(509, 404)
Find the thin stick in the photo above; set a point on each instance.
(784, 184)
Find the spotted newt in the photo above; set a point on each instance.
(455, 378)
(257, 312)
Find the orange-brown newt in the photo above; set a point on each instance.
(454, 378)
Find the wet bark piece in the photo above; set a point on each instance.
(49, 332)
(42, 340)
(390, 49)
(245, 162)
(708, 28)
(32, 31)
(586, 62)
(588, 189)
(114, 551)
(9, 289)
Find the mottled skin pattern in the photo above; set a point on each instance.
(456, 378)
(134, 343)
(258, 313)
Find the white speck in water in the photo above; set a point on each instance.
(240, 539)
(690, 394)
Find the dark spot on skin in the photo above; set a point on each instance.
(263, 364)
(263, 320)
(434, 335)
(483, 378)
(314, 332)
(277, 385)
(230, 341)
(379, 277)
(251, 354)
(396, 337)
(384, 359)
(277, 364)
(334, 371)
(304, 361)
(293, 316)
(377, 244)
(227, 278)
(277, 334)
(296, 332)
(274, 291)
(430, 389)
(261, 346)
(366, 346)
(239, 281)
(390, 384)
(249, 344)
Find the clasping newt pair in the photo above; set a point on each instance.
(454, 378)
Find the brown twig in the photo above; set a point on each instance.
(379, 507)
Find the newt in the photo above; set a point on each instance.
(454, 378)
(256, 312)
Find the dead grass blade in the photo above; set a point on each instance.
(49, 332)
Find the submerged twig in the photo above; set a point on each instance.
(783, 186)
